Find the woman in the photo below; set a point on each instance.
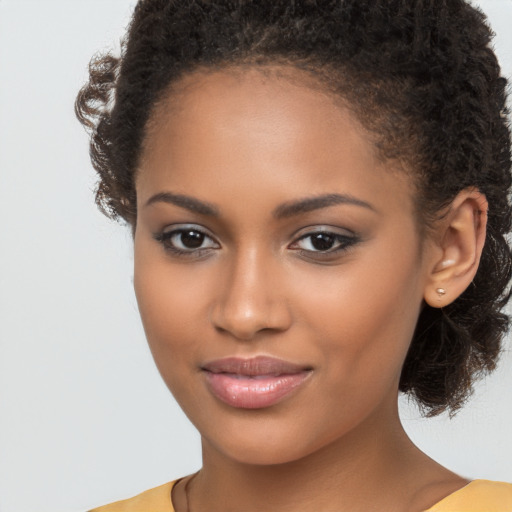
(318, 192)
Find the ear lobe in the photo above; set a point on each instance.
(460, 236)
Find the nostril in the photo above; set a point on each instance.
(244, 324)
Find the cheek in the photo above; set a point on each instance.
(162, 309)
(170, 309)
(361, 324)
(363, 316)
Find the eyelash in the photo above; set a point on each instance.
(165, 238)
(344, 243)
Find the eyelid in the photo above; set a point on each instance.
(323, 228)
(165, 235)
(345, 240)
(182, 226)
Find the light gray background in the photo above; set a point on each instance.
(84, 417)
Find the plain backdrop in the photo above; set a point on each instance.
(84, 416)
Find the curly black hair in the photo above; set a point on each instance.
(420, 75)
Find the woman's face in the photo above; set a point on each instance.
(277, 265)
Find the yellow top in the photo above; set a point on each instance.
(477, 496)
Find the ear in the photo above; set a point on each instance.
(458, 243)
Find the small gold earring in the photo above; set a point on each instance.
(441, 292)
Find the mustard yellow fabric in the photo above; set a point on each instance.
(154, 500)
(477, 496)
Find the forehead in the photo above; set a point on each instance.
(238, 96)
(273, 131)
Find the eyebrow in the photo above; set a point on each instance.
(188, 203)
(285, 210)
(309, 204)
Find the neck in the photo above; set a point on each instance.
(373, 467)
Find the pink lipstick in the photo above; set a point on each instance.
(253, 383)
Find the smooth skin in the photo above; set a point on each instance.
(237, 160)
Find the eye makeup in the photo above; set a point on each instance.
(187, 240)
(319, 243)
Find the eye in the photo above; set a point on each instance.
(323, 242)
(186, 240)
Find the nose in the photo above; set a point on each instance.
(251, 299)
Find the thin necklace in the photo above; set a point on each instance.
(186, 489)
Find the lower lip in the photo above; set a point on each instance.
(253, 392)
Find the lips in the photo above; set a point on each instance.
(253, 383)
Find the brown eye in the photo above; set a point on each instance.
(323, 241)
(186, 240)
(191, 239)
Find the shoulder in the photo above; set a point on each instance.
(478, 496)
(157, 499)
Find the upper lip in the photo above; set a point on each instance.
(254, 366)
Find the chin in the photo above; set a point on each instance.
(261, 455)
(263, 445)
